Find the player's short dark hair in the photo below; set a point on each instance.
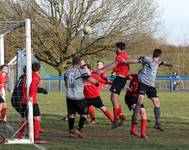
(120, 45)
(36, 66)
(157, 52)
(88, 66)
(2, 66)
(76, 60)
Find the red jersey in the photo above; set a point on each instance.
(121, 68)
(3, 81)
(92, 91)
(133, 85)
(33, 88)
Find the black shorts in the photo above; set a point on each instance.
(118, 84)
(143, 89)
(131, 100)
(79, 106)
(2, 100)
(24, 110)
(96, 102)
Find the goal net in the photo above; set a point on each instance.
(16, 34)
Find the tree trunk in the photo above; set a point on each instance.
(60, 74)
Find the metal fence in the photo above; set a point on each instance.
(163, 83)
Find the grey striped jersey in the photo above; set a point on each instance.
(147, 74)
(74, 82)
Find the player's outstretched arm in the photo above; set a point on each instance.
(131, 61)
(108, 67)
(170, 65)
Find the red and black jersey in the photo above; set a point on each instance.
(133, 85)
(3, 81)
(23, 89)
(121, 68)
(33, 88)
(92, 91)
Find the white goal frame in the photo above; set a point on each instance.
(14, 25)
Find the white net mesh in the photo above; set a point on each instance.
(16, 125)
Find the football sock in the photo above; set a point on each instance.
(157, 115)
(3, 114)
(81, 122)
(143, 126)
(120, 111)
(71, 123)
(110, 117)
(134, 127)
(21, 129)
(37, 124)
(116, 110)
(91, 112)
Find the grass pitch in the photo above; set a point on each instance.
(174, 117)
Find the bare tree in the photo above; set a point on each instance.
(57, 25)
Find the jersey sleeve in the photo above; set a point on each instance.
(143, 60)
(104, 76)
(85, 76)
(162, 63)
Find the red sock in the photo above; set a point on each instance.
(120, 111)
(37, 125)
(110, 117)
(133, 127)
(91, 112)
(143, 126)
(21, 129)
(116, 110)
(3, 114)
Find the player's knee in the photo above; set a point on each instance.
(103, 108)
(5, 106)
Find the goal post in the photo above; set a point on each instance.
(12, 25)
(29, 76)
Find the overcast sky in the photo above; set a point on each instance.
(175, 18)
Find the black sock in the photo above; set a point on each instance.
(71, 123)
(81, 122)
(157, 115)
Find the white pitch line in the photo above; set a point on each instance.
(40, 147)
(180, 117)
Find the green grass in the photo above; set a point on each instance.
(174, 116)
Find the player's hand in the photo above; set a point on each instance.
(175, 65)
(45, 91)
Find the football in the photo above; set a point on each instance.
(87, 29)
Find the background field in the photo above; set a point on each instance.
(175, 120)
